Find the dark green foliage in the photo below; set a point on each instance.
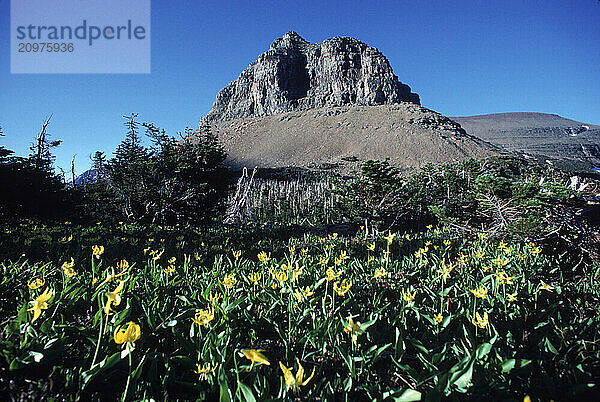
(171, 181)
(508, 196)
(30, 187)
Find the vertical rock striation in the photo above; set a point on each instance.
(297, 75)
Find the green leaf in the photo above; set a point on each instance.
(409, 395)
(247, 392)
(483, 350)
(462, 378)
(224, 394)
(550, 347)
(510, 364)
(102, 366)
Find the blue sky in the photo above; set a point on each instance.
(461, 57)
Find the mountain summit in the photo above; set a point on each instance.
(297, 75)
(335, 103)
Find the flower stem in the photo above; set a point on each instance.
(124, 398)
(99, 339)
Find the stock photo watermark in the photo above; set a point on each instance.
(80, 36)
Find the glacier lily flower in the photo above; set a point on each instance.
(203, 317)
(354, 329)
(343, 288)
(480, 321)
(297, 381)
(255, 356)
(36, 283)
(40, 303)
(127, 335)
(114, 297)
(481, 292)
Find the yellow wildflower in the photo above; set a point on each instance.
(408, 296)
(481, 292)
(255, 356)
(303, 294)
(504, 279)
(545, 286)
(228, 281)
(332, 275)
(354, 329)
(296, 273)
(254, 277)
(343, 288)
(371, 246)
(214, 298)
(281, 276)
(511, 297)
(236, 254)
(480, 321)
(535, 250)
(36, 283)
(204, 369)
(40, 303)
(295, 382)
(438, 318)
(447, 242)
(67, 268)
(420, 253)
(380, 273)
(390, 238)
(123, 265)
(264, 257)
(127, 335)
(97, 251)
(114, 297)
(445, 270)
(203, 317)
(66, 239)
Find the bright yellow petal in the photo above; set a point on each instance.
(300, 373)
(36, 312)
(119, 336)
(290, 381)
(45, 296)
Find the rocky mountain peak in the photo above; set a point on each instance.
(295, 74)
(289, 40)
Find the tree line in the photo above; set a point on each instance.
(169, 181)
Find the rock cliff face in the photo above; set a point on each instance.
(297, 75)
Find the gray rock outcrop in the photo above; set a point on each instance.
(297, 75)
